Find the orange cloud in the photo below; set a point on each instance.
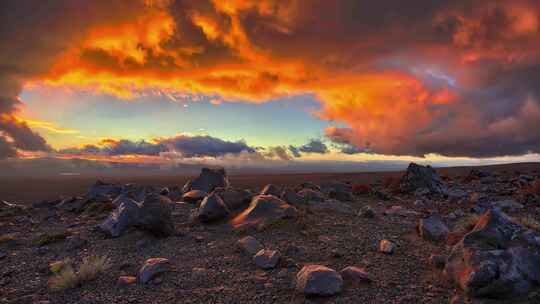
(359, 66)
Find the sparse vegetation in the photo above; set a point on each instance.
(58, 266)
(48, 238)
(90, 268)
(466, 223)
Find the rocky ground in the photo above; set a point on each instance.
(416, 237)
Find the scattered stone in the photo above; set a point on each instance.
(418, 176)
(208, 180)
(212, 208)
(266, 259)
(318, 280)
(194, 196)
(249, 245)
(198, 273)
(153, 267)
(126, 281)
(433, 228)
(385, 246)
(355, 274)
(264, 210)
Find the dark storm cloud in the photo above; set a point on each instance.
(458, 78)
(314, 146)
(187, 146)
(32, 35)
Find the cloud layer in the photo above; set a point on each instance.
(458, 78)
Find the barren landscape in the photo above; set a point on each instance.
(397, 237)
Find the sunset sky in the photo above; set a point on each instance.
(270, 80)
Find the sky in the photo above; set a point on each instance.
(270, 81)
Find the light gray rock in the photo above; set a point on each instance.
(318, 280)
(153, 267)
(433, 228)
(266, 259)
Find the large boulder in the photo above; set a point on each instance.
(311, 195)
(234, 198)
(208, 180)
(290, 196)
(212, 208)
(264, 210)
(153, 215)
(433, 228)
(318, 280)
(497, 259)
(418, 177)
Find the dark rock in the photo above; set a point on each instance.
(153, 215)
(433, 228)
(264, 210)
(266, 259)
(152, 268)
(318, 280)
(194, 196)
(212, 208)
(494, 259)
(290, 196)
(438, 261)
(249, 245)
(101, 190)
(208, 180)
(307, 185)
(271, 189)
(418, 176)
(338, 190)
(234, 198)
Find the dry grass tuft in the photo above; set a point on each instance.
(58, 266)
(90, 268)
